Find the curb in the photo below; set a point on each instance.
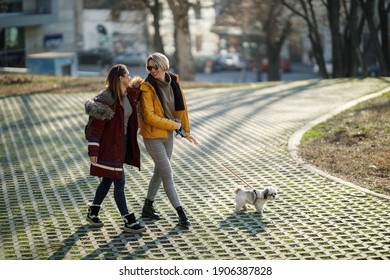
(295, 140)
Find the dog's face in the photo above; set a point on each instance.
(270, 193)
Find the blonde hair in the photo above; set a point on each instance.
(160, 59)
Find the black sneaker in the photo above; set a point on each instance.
(93, 215)
(134, 228)
(131, 224)
(94, 220)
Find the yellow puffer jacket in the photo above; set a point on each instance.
(155, 124)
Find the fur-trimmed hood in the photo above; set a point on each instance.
(100, 107)
(136, 82)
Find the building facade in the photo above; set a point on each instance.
(38, 26)
(32, 26)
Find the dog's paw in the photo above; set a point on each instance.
(260, 212)
(242, 210)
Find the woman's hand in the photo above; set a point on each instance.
(93, 159)
(178, 124)
(191, 138)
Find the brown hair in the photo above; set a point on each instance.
(113, 82)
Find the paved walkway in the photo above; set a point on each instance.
(45, 185)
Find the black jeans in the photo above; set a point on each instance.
(119, 190)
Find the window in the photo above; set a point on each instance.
(11, 6)
(12, 48)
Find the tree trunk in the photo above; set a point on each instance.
(351, 39)
(318, 53)
(384, 29)
(368, 9)
(337, 44)
(306, 11)
(157, 40)
(184, 62)
(276, 31)
(273, 53)
(270, 29)
(360, 51)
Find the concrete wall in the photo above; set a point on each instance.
(127, 34)
(65, 28)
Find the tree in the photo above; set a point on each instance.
(267, 23)
(307, 11)
(347, 20)
(343, 17)
(352, 56)
(183, 56)
(333, 7)
(382, 52)
(155, 7)
(384, 10)
(277, 26)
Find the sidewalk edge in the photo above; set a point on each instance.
(295, 140)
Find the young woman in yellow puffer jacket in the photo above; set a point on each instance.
(164, 111)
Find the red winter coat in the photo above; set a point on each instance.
(106, 134)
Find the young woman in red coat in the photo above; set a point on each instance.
(112, 141)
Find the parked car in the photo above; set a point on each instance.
(231, 61)
(131, 58)
(207, 63)
(284, 65)
(96, 56)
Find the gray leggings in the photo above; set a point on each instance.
(161, 151)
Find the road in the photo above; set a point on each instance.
(298, 72)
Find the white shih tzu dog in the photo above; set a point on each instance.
(255, 198)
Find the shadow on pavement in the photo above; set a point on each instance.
(69, 242)
(118, 244)
(248, 221)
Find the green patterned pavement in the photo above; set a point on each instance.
(45, 182)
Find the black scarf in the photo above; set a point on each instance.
(179, 102)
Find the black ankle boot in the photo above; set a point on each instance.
(93, 216)
(131, 224)
(183, 220)
(148, 210)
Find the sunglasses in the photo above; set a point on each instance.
(155, 67)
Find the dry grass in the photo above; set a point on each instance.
(30, 84)
(354, 145)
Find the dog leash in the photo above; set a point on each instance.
(231, 171)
